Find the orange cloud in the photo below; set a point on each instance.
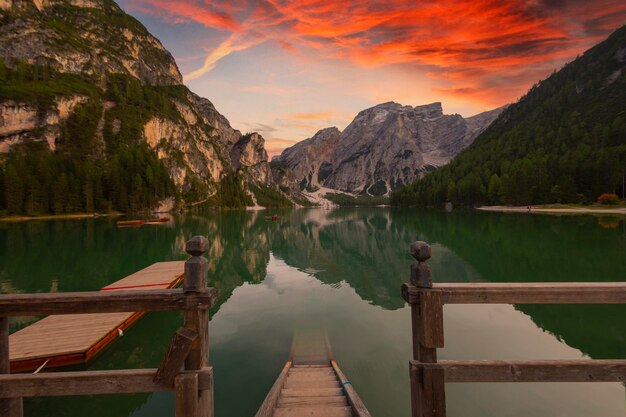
(313, 116)
(471, 46)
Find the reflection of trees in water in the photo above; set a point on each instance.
(366, 248)
(523, 248)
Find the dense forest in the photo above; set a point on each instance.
(563, 142)
(89, 170)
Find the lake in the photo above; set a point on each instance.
(341, 270)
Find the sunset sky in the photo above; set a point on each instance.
(289, 68)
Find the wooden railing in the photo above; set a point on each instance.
(185, 368)
(428, 375)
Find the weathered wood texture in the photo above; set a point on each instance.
(431, 384)
(9, 407)
(197, 319)
(90, 383)
(186, 395)
(76, 338)
(428, 376)
(534, 371)
(525, 293)
(175, 356)
(71, 303)
(358, 408)
(271, 399)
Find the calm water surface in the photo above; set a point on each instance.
(341, 270)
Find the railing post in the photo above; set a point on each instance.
(427, 382)
(9, 407)
(197, 320)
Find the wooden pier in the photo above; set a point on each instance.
(311, 384)
(184, 369)
(429, 376)
(70, 339)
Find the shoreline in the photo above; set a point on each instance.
(57, 217)
(553, 210)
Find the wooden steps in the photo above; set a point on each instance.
(69, 339)
(312, 391)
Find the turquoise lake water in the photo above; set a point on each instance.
(341, 271)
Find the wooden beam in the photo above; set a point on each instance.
(433, 390)
(90, 383)
(355, 401)
(267, 408)
(104, 302)
(9, 407)
(534, 371)
(524, 293)
(196, 319)
(174, 358)
(186, 395)
(431, 328)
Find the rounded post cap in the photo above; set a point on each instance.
(197, 245)
(421, 251)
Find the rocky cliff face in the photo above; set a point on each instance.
(384, 147)
(89, 52)
(85, 37)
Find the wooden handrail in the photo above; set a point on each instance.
(104, 302)
(530, 371)
(355, 401)
(90, 383)
(524, 293)
(193, 386)
(428, 376)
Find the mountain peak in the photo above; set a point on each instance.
(429, 111)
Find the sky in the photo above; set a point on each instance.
(286, 69)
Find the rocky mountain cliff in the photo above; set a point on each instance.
(85, 62)
(564, 141)
(384, 148)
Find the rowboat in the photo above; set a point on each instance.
(312, 386)
(130, 223)
(157, 220)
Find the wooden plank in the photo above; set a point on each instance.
(431, 320)
(533, 293)
(9, 407)
(159, 275)
(311, 392)
(311, 384)
(174, 358)
(311, 378)
(358, 407)
(314, 401)
(196, 319)
(535, 371)
(267, 408)
(433, 393)
(65, 339)
(103, 302)
(89, 383)
(313, 412)
(186, 395)
(309, 366)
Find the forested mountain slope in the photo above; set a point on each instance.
(564, 141)
(94, 117)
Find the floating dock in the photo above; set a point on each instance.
(70, 339)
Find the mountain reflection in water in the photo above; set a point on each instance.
(342, 269)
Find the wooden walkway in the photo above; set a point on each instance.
(69, 339)
(311, 384)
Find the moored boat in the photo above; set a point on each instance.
(130, 223)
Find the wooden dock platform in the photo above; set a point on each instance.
(70, 339)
